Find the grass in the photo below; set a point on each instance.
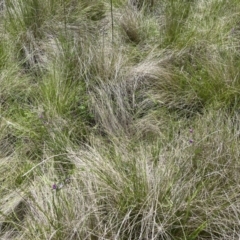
(119, 119)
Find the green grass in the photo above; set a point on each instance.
(119, 119)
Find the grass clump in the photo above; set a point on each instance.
(119, 120)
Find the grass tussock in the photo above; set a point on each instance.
(119, 120)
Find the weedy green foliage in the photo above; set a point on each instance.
(119, 119)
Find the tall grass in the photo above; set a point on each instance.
(119, 119)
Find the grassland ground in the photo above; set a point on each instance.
(119, 119)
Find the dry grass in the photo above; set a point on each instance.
(123, 133)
